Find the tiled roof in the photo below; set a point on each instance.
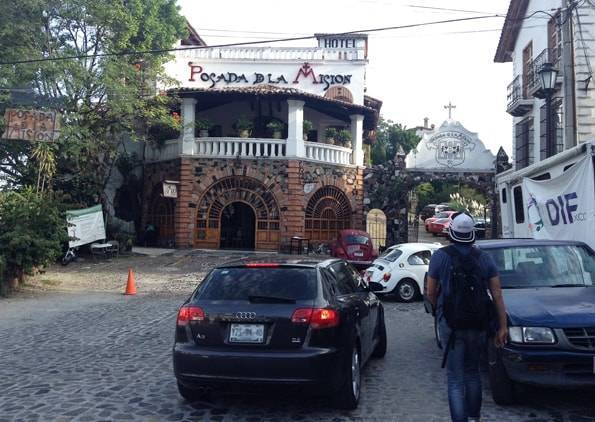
(510, 30)
(272, 90)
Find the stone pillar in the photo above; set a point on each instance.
(295, 129)
(293, 217)
(184, 214)
(357, 133)
(188, 114)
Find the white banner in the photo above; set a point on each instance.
(563, 208)
(85, 226)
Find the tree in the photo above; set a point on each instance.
(389, 136)
(32, 231)
(104, 100)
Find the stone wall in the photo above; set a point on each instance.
(291, 182)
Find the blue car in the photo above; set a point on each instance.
(549, 292)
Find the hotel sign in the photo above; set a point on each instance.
(305, 73)
(31, 125)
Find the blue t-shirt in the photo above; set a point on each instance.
(440, 266)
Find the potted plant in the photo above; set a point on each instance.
(344, 137)
(203, 126)
(243, 126)
(276, 128)
(307, 126)
(330, 134)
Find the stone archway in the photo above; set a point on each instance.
(388, 187)
(327, 212)
(234, 189)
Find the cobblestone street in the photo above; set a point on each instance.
(105, 356)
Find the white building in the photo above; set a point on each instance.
(537, 33)
(540, 31)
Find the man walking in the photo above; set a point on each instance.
(459, 277)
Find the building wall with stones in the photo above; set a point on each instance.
(289, 198)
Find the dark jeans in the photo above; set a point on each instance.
(462, 367)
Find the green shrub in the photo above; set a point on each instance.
(32, 230)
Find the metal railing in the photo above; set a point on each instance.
(515, 92)
(277, 53)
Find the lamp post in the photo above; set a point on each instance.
(547, 75)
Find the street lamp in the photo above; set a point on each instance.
(547, 75)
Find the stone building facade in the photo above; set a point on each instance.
(237, 184)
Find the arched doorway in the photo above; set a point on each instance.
(234, 190)
(328, 211)
(238, 226)
(376, 227)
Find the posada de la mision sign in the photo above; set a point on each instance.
(305, 72)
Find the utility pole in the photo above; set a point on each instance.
(568, 76)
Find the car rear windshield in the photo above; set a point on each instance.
(241, 283)
(392, 255)
(354, 239)
(544, 265)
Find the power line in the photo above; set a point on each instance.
(237, 44)
(415, 6)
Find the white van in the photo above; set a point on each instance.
(513, 208)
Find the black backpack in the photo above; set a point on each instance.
(468, 305)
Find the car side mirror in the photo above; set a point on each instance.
(375, 287)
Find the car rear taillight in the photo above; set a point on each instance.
(386, 276)
(316, 317)
(190, 313)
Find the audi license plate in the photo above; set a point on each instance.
(358, 253)
(246, 333)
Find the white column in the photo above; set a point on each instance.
(295, 128)
(357, 139)
(188, 113)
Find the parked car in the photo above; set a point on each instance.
(443, 207)
(427, 211)
(311, 323)
(549, 293)
(443, 214)
(401, 269)
(439, 227)
(354, 246)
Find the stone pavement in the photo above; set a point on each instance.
(105, 356)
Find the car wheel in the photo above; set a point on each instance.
(503, 388)
(437, 333)
(190, 394)
(347, 396)
(406, 290)
(380, 349)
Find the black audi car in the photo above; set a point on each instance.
(312, 323)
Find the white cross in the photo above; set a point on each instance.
(450, 107)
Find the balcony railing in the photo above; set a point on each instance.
(328, 153)
(268, 53)
(240, 147)
(251, 148)
(515, 92)
(549, 55)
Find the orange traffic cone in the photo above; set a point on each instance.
(130, 285)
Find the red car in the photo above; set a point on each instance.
(430, 220)
(439, 227)
(354, 246)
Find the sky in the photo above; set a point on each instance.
(415, 72)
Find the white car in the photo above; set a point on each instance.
(401, 269)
